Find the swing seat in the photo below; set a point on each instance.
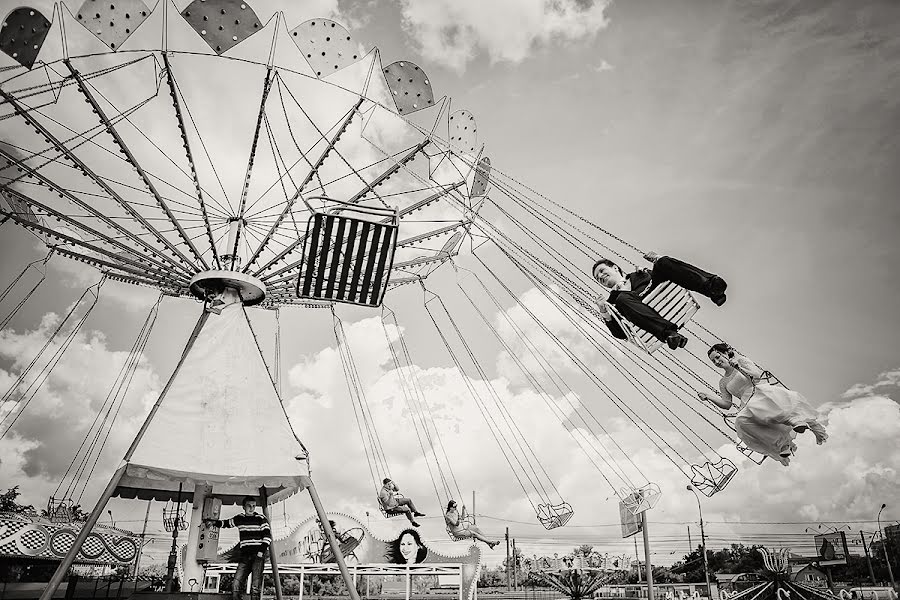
(712, 477)
(60, 510)
(640, 499)
(552, 516)
(390, 513)
(348, 258)
(741, 446)
(347, 543)
(466, 522)
(672, 302)
(174, 516)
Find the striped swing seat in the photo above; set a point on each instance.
(672, 302)
(348, 258)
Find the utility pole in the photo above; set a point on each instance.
(473, 507)
(173, 553)
(884, 547)
(514, 566)
(137, 561)
(507, 559)
(868, 559)
(637, 557)
(690, 543)
(691, 489)
(647, 556)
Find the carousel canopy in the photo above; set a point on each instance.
(219, 421)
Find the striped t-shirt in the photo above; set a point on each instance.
(253, 530)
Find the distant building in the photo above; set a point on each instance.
(808, 575)
(892, 533)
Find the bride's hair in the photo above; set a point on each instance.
(722, 348)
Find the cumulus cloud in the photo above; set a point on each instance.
(60, 411)
(452, 32)
(885, 379)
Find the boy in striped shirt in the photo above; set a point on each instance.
(255, 537)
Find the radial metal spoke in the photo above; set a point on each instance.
(170, 79)
(131, 266)
(267, 85)
(74, 222)
(62, 192)
(358, 197)
(98, 180)
(309, 176)
(140, 171)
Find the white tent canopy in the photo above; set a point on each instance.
(219, 421)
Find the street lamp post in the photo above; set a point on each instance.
(690, 488)
(887, 558)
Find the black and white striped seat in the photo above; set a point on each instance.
(348, 258)
(672, 302)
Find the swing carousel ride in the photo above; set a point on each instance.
(210, 155)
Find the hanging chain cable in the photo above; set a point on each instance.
(629, 413)
(32, 389)
(479, 402)
(262, 357)
(527, 452)
(417, 387)
(127, 367)
(415, 411)
(375, 457)
(278, 351)
(571, 287)
(41, 266)
(124, 386)
(642, 389)
(542, 392)
(553, 375)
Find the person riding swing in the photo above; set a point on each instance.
(627, 291)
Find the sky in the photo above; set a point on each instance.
(757, 139)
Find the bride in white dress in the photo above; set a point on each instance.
(769, 417)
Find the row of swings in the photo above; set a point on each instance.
(348, 256)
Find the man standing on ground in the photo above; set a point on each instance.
(255, 538)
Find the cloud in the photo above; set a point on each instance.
(452, 32)
(603, 66)
(39, 447)
(885, 379)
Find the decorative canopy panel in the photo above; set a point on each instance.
(463, 130)
(223, 24)
(113, 21)
(409, 86)
(219, 421)
(23, 33)
(326, 45)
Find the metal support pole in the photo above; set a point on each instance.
(137, 560)
(408, 583)
(173, 553)
(332, 541)
(264, 496)
(690, 543)
(515, 570)
(637, 557)
(507, 559)
(302, 582)
(884, 544)
(868, 558)
(690, 488)
(647, 564)
(86, 528)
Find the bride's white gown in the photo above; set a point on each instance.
(768, 414)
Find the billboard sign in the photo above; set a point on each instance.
(631, 523)
(832, 548)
